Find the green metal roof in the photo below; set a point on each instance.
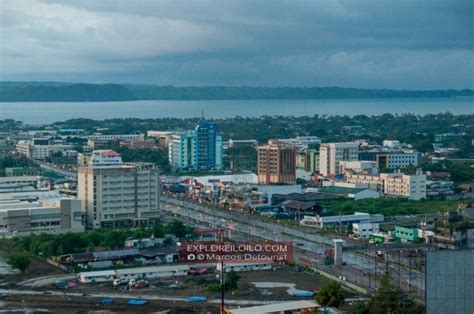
(341, 190)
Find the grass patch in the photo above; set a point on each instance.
(390, 207)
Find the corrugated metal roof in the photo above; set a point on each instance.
(152, 269)
(341, 190)
(160, 252)
(82, 257)
(115, 254)
(297, 205)
(105, 255)
(276, 308)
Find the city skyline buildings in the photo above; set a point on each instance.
(198, 149)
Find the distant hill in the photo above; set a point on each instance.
(34, 92)
(58, 91)
(221, 92)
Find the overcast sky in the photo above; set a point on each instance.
(368, 44)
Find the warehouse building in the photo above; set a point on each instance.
(152, 272)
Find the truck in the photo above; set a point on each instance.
(119, 281)
(140, 284)
(195, 272)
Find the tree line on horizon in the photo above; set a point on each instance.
(84, 92)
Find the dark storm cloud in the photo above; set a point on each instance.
(393, 44)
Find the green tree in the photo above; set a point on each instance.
(177, 228)
(115, 238)
(231, 280)
(214, 287)
(330, 294)
(389, 300)
(20, 262)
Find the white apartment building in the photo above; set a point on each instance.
(118, 194)
(41, 148)
(365, 230)
(331, 154)
(394, 184)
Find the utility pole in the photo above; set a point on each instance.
(222, 287)
(222, 276)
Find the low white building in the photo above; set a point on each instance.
(152, 272)
(22, 214)
(238, 267)
(341, 220)
(361, 166)
(97, 276)
(392, 144)
(284, 307)
(20, 183)
(365, 230)
(243, 178)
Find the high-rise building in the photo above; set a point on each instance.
(206, 146)
(276, 163)
(199, 149)
(312, 160)
(115, 194)
(331, 154)
(181, 150)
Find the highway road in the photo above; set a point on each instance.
(359, 269)
(49, 167)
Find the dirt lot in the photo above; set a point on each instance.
(37, 268)
(180, 286)
(55, 304)
(188, 286)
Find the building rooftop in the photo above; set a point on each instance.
(276, 308)
(160, 251)
(341, 190)
(99, 273)
(297, 205)
(105, 255)
(152, 269)
(34, 195)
